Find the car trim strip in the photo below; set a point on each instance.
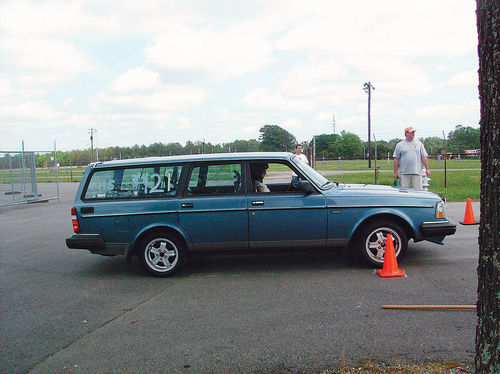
(253, 209)
(379, 206)
(291, 243)
(126, 214)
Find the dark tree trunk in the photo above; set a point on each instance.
(488, 303)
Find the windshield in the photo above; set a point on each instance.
(312, 174)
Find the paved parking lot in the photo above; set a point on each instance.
(69, 311)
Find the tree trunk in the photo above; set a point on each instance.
(488, 303)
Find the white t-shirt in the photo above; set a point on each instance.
(260, 184)
(303, 158)
(409, 155)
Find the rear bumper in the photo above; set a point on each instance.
(92, 242)
(438, 228)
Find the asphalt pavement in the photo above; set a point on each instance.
(68, 311)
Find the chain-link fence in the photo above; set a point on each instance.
(455, 177)
(19, 178)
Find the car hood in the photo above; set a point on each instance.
(380, 191)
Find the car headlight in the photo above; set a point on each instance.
(440, 210)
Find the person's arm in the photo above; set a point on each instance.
(396, 166)
(425, 160)
(260, 189)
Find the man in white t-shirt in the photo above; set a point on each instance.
(407, 157)
(303, 158)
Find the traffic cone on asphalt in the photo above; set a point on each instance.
(469, 215)
(390, 268)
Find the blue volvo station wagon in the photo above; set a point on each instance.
(162, 209)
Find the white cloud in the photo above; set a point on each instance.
(465, 78)
(323, 116)
(184, 123)
(164, 101)
(5, 88)
(68, 102)
(33, 110)
(390, 28)
(292, 123)
(43, 60)
(225, 53)
(225, 116)
(444, 111)
(106, 18)
(138, 79)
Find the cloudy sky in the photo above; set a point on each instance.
(218, 70)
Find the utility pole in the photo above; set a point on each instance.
(368, 89)
(92, 132)
(333, 123)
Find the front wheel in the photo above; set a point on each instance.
(372, 239)
(162, 254)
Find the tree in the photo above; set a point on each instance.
(488, 304)
(327, 145)
(275, 138)
(350, 144)
(435, 145)
(463, 138)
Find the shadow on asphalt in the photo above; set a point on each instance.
(279, 261)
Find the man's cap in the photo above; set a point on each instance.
(409, 129)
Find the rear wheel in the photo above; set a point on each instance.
(372, 240)
(162, 254)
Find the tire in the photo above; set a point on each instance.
(162, 254)
(370, 244)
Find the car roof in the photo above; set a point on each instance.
(250, 156)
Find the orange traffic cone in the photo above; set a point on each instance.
(469, 215)
(390, 268)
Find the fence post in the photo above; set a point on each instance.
(445, 157)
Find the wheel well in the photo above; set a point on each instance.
(390, 217)
(156, 230)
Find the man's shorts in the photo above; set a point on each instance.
(415, 180)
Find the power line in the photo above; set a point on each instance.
(426, 99)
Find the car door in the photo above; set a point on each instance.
(213, 208)
(285, 216)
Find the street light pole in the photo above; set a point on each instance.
(368, 89)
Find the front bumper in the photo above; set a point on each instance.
(438, 228)
(92, 242)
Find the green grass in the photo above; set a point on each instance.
(382, 164)
(460, 184)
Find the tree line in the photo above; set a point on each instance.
(273, 138)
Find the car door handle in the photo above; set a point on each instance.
(257, 203)
(187, 205)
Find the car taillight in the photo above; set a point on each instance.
(74, 221)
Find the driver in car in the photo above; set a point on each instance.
(258, 173)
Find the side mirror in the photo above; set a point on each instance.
(306, 186)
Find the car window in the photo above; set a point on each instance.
(314, 175)
(273, 177)
(137, 182)
(215, 179)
